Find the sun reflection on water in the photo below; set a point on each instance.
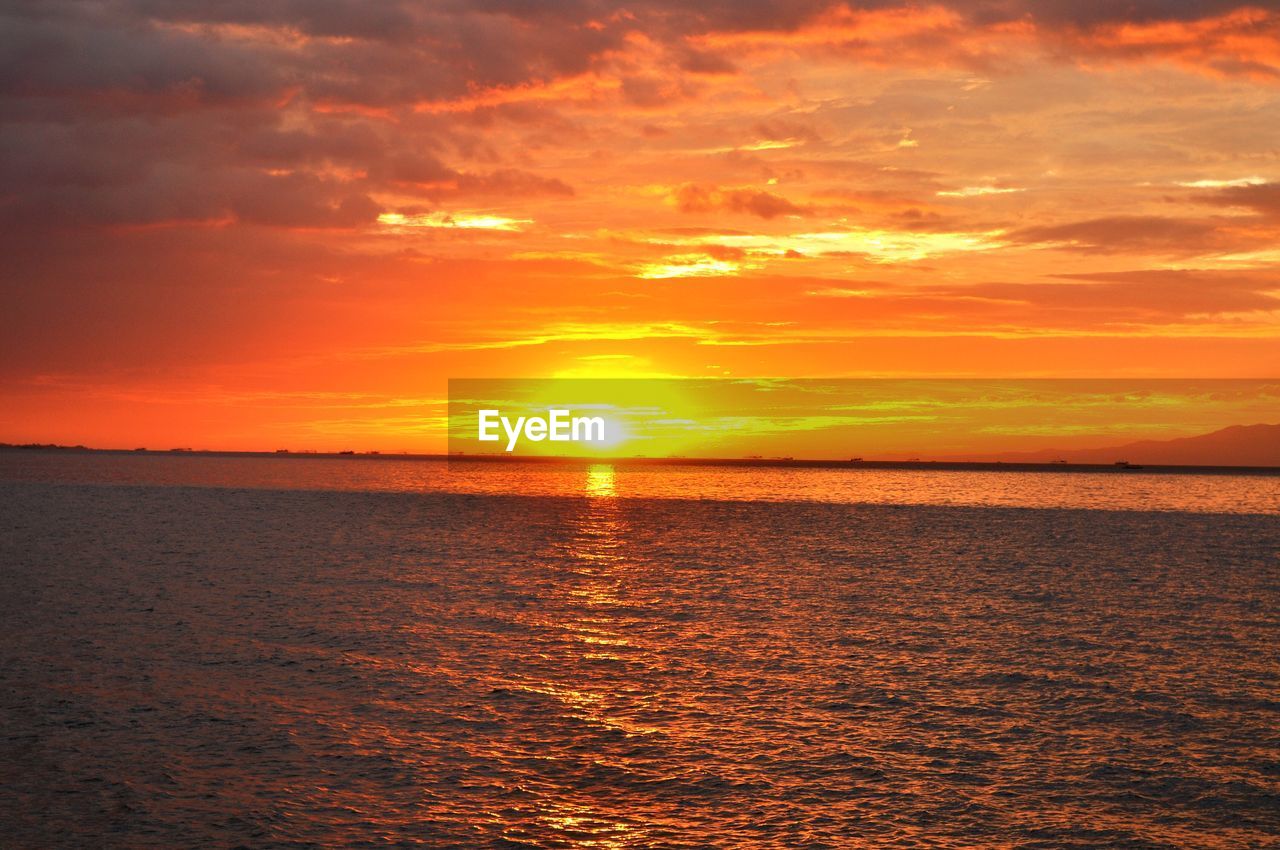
(597, 552)
(600, 482)
(593, 620)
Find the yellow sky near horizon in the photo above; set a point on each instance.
(825, 419)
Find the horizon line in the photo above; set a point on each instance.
(671, 460)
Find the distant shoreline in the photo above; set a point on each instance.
(783, 463)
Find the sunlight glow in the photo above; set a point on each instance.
(879, 246)
(688, 265)
(1223, 184)
(977, 191)
(771, 145)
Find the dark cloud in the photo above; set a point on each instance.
(784, 130)
(434, 179)
(389, 21)
(331, 141)
(1125, 233)
(409, 167)
(704, 62)
(511, 182)
(78, 55)
(401, 51)
(298, 200)
(143, 111)
(1262, 198)
(925, 221)
(1175, 293)
(134, 111)
(670, 15)
(171, 193)
(695, 198)
(1086, 13)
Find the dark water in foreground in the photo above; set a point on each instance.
(195, 666)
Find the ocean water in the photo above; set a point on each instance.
(305, 653)
(1111, 489)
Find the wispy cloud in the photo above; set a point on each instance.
(460, 221)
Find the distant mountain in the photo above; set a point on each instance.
(1239, 445)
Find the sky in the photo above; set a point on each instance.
(979, 419)
(251, 225)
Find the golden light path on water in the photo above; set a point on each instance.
(596, 561)
(600, 481)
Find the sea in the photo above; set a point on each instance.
(297, 652)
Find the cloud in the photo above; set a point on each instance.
(72, 51)
(168, 193)
(1175, 293)
(786, 130)
(696, 198)
(431, 178)
(1217, 38)
(298, 200)
(1087, 13)
(1125, 233)
(996, 36)
(1262, 198)
(512, 182)
(110, 102)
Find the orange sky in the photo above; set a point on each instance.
(280, 224)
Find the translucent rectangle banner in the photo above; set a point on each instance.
(1194, 421)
